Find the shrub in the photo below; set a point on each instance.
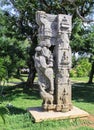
(73, 73)
(82, 68)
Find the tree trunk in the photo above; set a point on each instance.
(18, 72)
(31, 76)
(30, 62)
(91, 74)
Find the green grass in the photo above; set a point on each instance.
(25, 122)
(83, 96)
(80, 79)
(18, 101)
(14, 80)
(84, 128)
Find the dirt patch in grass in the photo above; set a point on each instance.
(91, 120)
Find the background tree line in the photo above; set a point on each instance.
(18, 33)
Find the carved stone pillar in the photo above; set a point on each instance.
(53, 60)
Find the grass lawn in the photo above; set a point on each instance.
(18, 101)
(80, 79)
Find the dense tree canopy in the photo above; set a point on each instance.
(13, 52)
(20, 24)
(82, 41)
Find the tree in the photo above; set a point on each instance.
(82, 41)
(89, 47)
(12, 47)
(25, 18)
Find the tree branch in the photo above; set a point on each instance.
(12, 1)
(72, 2)
(45, 3)
(82, 18)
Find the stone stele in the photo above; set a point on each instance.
(53, 61)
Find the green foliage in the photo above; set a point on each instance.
(77, 40)
(73, 73)
(89, 40)
(13, 48)
(82, 41)
(84, 128)
(82, 68)
(3, 72)
(3, 109)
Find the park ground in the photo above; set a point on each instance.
(17, 101)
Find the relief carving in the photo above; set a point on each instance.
(53, 60)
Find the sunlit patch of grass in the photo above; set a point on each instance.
(84, 128)
(89, 107)
(80, 79)
(83, 96)
(25, 122)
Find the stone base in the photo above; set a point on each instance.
(40, 115)
(57, 108)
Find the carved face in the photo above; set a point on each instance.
(38, 49)
(45, 44)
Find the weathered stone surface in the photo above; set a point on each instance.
(53, 60)
(40, 115)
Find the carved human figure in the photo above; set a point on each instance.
(65, 97)
(49, 60)
(40, 64)
(44, 64)
(64, 58)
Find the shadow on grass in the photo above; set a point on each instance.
(15, 110)
(83, 92)
(11, 92)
